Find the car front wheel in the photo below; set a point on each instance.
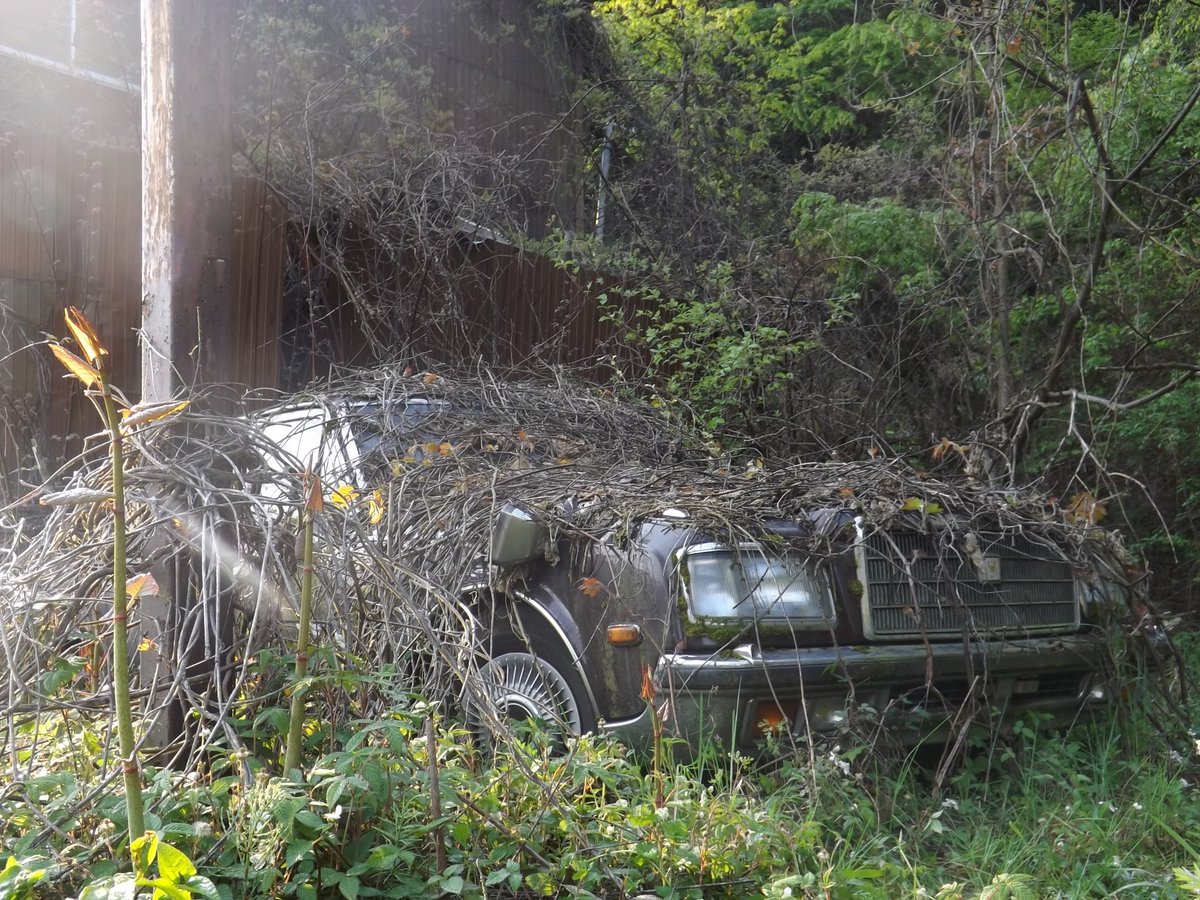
(520, 686)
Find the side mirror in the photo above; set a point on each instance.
(517, 537)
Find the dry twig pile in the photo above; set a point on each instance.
(215, 502)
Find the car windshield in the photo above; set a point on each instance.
(392, 430)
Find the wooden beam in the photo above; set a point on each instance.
(187, 334)
(187, 223)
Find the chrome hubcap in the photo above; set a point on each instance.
(521, 688)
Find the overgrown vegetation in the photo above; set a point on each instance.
(379, 792)
(832, 231)
(1104, 809)
(965, 221)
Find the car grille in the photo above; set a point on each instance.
(912, 586)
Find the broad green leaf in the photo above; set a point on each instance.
(349, 886)
(173, 863)
(165, 889)
(296, 851)
(143, 850)
(202, 887)
(118, 887)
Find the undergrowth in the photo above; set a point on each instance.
(1102, 810)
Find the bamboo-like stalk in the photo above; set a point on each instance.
(129, 760)
(295, 738)
(92, 370)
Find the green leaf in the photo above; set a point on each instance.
(310, 819)
(349, 886)
(118, 887)
(496, 877)
(164, 889)
(173, 863)
(143, 850)
(202, 887)
(296, 851)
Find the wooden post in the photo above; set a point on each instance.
(187, 238)
(187, 173)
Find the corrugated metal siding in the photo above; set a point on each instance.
(259, 226)
(519, 309)
(70, 234)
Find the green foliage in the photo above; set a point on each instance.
(812, 69)
(864, 243)
(1106, 808)
(165, 870)
(707, 353)
(19, 878)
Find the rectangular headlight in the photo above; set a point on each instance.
(750, 583)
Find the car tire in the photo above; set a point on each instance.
(528, 683)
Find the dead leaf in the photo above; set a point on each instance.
(591, 587)
(944, 446)
(75, 497)
(76, 366)
(141, 585)
(430, 378)
(648, 692)
(155, 412)
(343, 496)
(1085, 508)
(313, 504)
(85, 335)
(375, 507)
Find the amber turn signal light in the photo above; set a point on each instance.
(624, 635)
(769, 717)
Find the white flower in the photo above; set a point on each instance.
(1137, 806)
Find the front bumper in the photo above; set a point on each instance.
(917, 691)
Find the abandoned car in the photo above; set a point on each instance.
(716, 603)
